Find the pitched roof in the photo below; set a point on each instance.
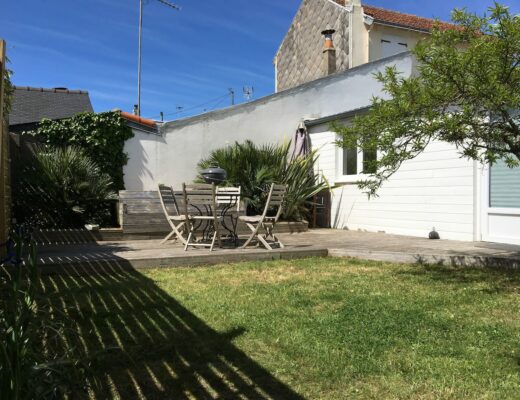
(400, 19)
(404, 20)
(142, 124)
(31, 104)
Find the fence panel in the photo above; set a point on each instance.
(5, 190)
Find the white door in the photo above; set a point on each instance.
(501, 204)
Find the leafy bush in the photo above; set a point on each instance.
(101, 136)
(63, 188)
(254, 168)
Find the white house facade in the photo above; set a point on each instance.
(459, 198)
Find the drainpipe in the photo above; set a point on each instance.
(350, 10)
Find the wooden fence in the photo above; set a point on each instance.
(5, 190)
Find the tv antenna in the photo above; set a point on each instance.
(166, 3)
(249, 92)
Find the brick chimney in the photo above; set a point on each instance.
(329, 52)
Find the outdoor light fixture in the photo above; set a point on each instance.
(166, 3)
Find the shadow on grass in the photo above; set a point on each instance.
(499, 280)
(145, 344)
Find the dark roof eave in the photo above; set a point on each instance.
(336, 117)
(143, 128)
(401, 26)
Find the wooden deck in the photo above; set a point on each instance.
(142, 254)
(316, 243)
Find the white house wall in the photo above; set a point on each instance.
(172, 156)
(434, 190)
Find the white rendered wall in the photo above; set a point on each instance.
(172, 157)
(434, 190)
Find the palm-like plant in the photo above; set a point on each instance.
(70, 186)
(255, 167)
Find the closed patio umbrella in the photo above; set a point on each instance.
(301, 142)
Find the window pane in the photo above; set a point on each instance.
(350, 161)
(504, 186)
(369, 156)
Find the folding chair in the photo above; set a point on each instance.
(203, 198)
(266, 223)
(228, 201)
(229, 196)
(170, 204)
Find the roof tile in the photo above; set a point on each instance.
(31, 105)
(400, 19)
(404, 20)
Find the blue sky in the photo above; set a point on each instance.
(190, 58)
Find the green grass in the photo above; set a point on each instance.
(314, 329)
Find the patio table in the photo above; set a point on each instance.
(227, 210)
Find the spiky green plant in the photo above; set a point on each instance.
(34, 363)
(65, 188)
(18, 325)
(254, 167)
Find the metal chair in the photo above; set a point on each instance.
(203, 198)
(264, 222)
(171, 203)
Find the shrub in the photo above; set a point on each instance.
(63, 188)
(254, 168)
(101, 136)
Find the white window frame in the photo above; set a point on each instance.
(487, 211)
(340, 177)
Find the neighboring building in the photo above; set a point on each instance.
(30, 105)
(362, 34)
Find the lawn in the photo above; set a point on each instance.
(313, 329)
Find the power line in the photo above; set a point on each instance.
(193, 107)
(167, 3)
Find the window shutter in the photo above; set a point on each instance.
(504, 186)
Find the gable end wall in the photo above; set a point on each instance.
(299, 59)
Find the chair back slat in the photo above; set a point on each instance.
(169, 200)
(199, 195)
(229, 195)
(279, 188)
(275, 198)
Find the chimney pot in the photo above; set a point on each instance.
(329, 52)
(328, 33)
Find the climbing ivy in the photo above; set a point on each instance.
(101, 136)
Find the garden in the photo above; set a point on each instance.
(315, 328)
